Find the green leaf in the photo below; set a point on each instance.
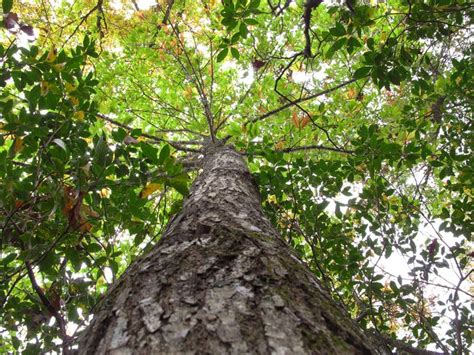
(338, 31)
(149, 152)
(180, 183)
(7, 5)
(362, 72)
(101, 151)
(335, 47)
(222, 54)
(235, 53)
(394, 76)
(164, 154)
(251, 21)
(244, 31)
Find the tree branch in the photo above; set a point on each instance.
(303, 99)
(98, 6)
(309, 6)
(176, 145)
(49, 307)
(400, 345)
(318, 147)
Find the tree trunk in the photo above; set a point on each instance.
(221, 280)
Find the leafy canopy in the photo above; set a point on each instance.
(356, 120)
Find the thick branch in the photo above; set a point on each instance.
(309, 6)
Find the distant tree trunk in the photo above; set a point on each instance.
(221, 280)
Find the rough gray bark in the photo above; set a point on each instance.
(220, 281)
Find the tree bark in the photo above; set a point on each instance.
(221, 280)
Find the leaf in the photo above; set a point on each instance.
(149, 152)
(79, 115)
(180, 183)
(149, 189)
(101, 151)
(362, 72)
(52, 55)
(60, 143)
(338, 31)
(394, 76)
(244, 31)
(304, 121)
(280, 144)
(295, 119)
(164, 154)
(222, 54)
(7, 6)
(18, 145)
(74, 100)
(44, 88)
(235, 53)
(251, 21)
(335, 47)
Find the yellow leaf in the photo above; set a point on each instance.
(279, 145)
(58, 67)
(69, 87)
(79, 115)
(74, 100)
(351, 93)
(272, 199)
(105, 192)
(86, 168)
(52, 55)
(44, 88)
(410, 136)
(149, 189)
(188, 92)
(18, 145)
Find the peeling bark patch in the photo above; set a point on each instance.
(152, 312)
(119, 335)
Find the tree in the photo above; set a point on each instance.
(354, 121)
(221, 280)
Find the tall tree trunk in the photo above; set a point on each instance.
(221, 280)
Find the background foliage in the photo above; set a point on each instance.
(356, 120)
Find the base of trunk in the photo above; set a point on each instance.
(222, 291)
